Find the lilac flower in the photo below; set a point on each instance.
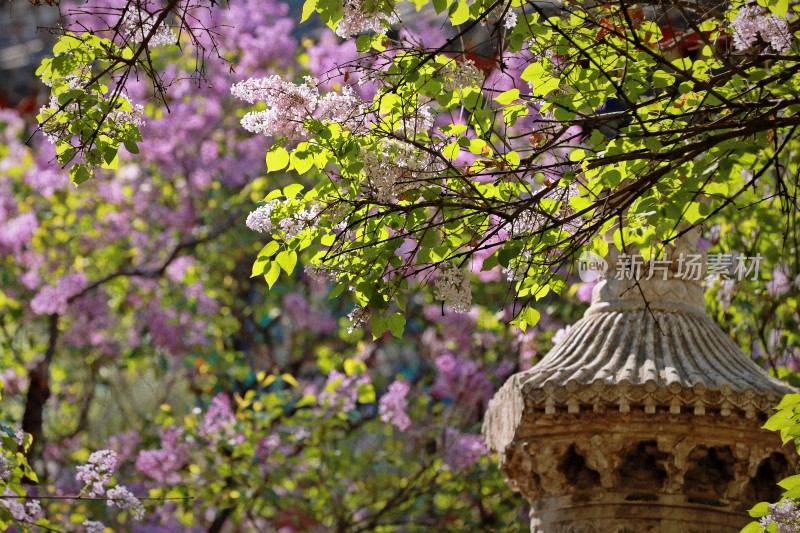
(163, 464)
(259, 220)
(138, 24)
(219, 421)
(752, 22)
(355, 20)
(462, 451)
(393, 405)
(93, 526)
(53, 298)
(290, 105)
(96, 474)
(15, 506)
(452, 287)
(463, 381)
(783, 514)
(780, 283)
(17, 232)
(121, 497)
(341, 391)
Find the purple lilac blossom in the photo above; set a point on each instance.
(392, 406)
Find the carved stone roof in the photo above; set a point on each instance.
(650, 348)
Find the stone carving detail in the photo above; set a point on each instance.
(643, 418)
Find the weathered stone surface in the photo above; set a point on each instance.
(646, 417)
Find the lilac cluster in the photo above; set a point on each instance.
(21, 510)
(290, 105)
(752, 22)
(341, 391)
(301, 316)
(462, 381)
(218, 423)
(138, 24)
(452, 287)
(462, 451)
(393, 405)
(121, 497)
(785, 515)
(96, 473)
(357, 19)
(163, 464)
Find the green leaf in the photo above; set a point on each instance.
(531, 316)
(287, 260)
(459, 13)
(309, 6)
(507, 97)
(277, 158)
(272, 275)
(396, 323)
(79, 174)
(752, 527)
(759, 510)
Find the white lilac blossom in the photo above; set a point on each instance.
(510, 20)
(461, 75)
(752, 22)
(96, 474)
(358, 317)
(345, 108)
(138, 24)
(396, 167)
(785, 515)
(259, 220)
(452, 287)
(121, 497)
(355, 20)
(419, 121)
(392, 406)
(295, 224)
(289, 105)
(93, 526)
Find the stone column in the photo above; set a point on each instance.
(646, 417)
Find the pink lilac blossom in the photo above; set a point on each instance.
(393, 405)
(752, 22)
(561, 334)
(462, 451)
(780, 283)
(121, 497)
(290, 106)
(52, 299)
(219, 421)
(341, 391)
(163, 464)
(304, 317)
(464, 382)
(17, 232)
(96, 474)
